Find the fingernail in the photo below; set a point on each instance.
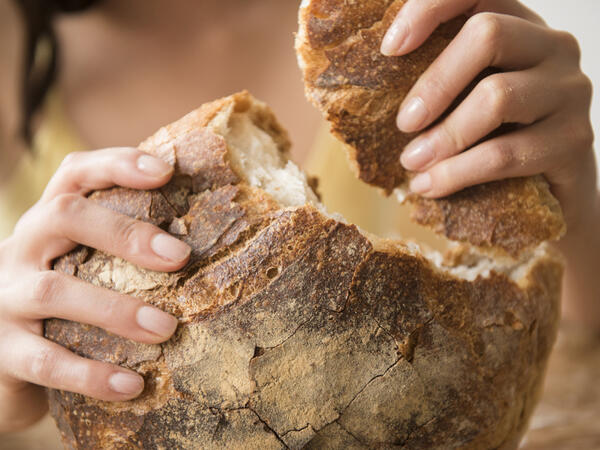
(156, 321)
(417, 154)
(394, 38)
(169, 248)
(152, 166)
(126, 383)
(421, 183)
(412, 115)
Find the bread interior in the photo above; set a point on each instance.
(258, 158)
(255, 155)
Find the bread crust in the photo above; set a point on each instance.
(359, 91)
(298, 331)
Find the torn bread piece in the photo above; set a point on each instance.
(297, 330)
(359, 91)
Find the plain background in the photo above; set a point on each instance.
(582, 19)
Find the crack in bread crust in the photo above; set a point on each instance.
(297, 330)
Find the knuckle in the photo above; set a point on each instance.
(582, 134)
(45, 287)
(588, 137)
(64, 204)
(577, 90)
(128, 235)
(486, 29)
(500, 158)
(437, 88)
(42, 366)
(91, 378)
(452, 137)
(442, 180)
(586, 86)
(433, 11)
(112, 311)
(71, 160)
(128, 152)
(576, 131)
(87, 376)
(497, 93)
(569, 43)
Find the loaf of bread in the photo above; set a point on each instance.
(297, 330)
(359, 91)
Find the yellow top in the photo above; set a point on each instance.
(54, 139)
(341, 191)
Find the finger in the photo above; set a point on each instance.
(419, 18)
(545, 147)
(69, 219)
(508, 7)
(415, 22)
(82, 172)
(489, 40)
(52, 294)
(39, 361)
(516, 97)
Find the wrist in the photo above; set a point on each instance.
(581, 284)
(21, 406)
(582, 225)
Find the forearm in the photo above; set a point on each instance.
(581, 282)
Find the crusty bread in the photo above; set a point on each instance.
(360, 91)
(297, 330)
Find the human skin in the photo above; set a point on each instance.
(540, 87)
(113, 58)
(555, 140)
(30, 291)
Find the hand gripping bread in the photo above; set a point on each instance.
(297, 330)
(360, 91)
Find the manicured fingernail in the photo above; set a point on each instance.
(169, 248)
(421, 183)
(412, 115)
(126, 383)
(394, 38)
(156, 321)
(153, 167)
(417, 154)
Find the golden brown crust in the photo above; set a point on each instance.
(359, 91)
(356, 86)
(296, 330)
(524, 213)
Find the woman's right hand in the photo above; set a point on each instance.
(30, 291)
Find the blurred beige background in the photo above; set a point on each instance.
(582, 19)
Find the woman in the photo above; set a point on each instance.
(130, 66)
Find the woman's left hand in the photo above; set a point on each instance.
(540, 86)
